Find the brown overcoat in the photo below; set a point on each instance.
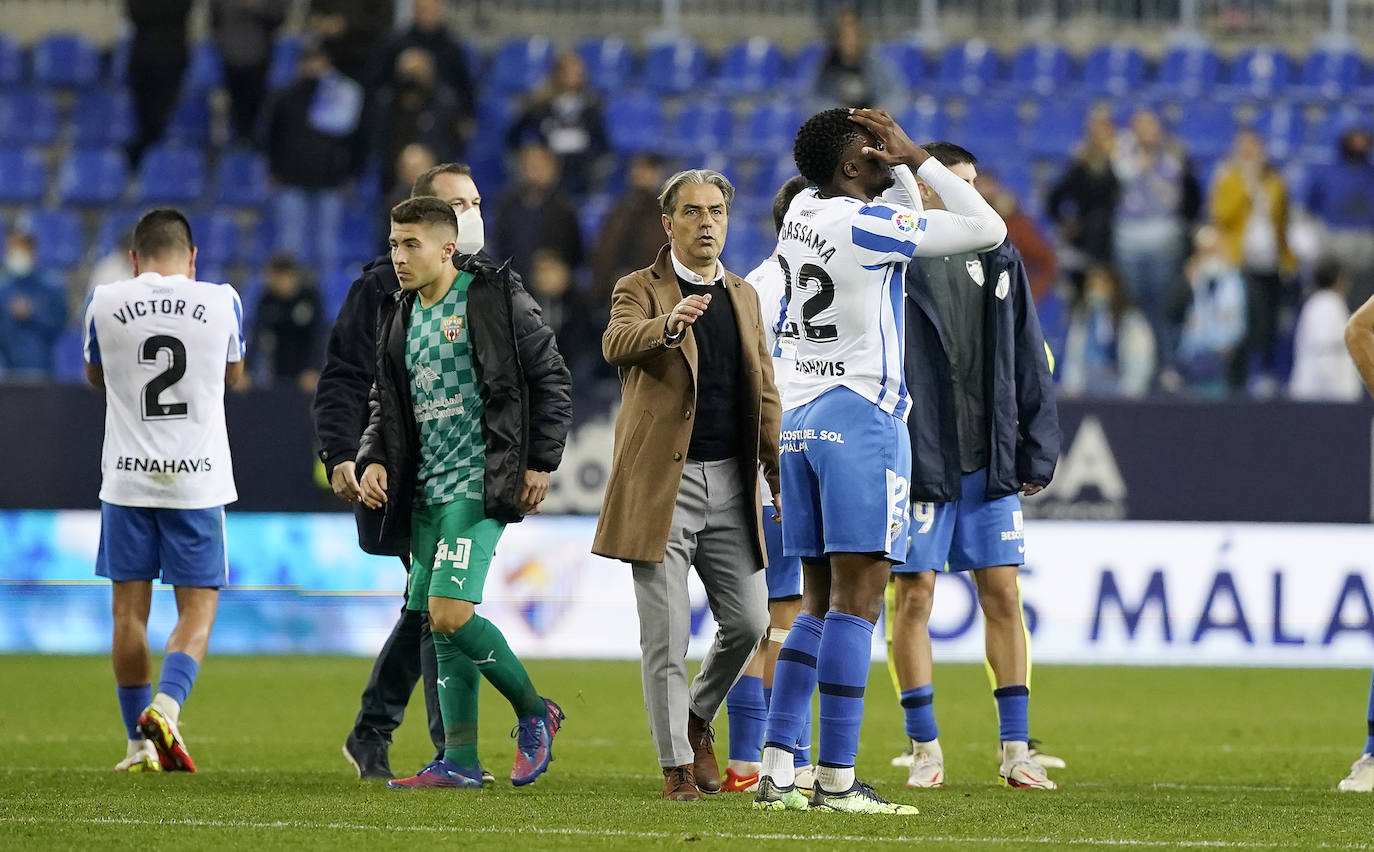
(658, 401)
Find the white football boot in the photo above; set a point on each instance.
(1361, 777)
(927, 765)
(1018, 770)
(141, 757)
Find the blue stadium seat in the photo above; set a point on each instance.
(217, 238)
(23, 176)
(206, 69)
(1260, 72)
(905, 62)
(241, 179)
(171, 174)
(1328, 130)
(675, 67)
(746, 245)
(27, 118)
(925, 121)
(190, 124)
(117, 224)
(58, 236)
(1114, 69)
(1057, 127)
(103, 117)
(96, 176)
(1044, 68)
(359, 237)
(65, 60)
(1331, 73)
(992, 129)
(334, 289)
(1206, 129)
(519, 64)
(799, 76)
(701, 128)
(633, 122)
(1282, 127)
(769, 126)
(967, 68)
(609, 61)
(591, 213)
(772, 172)
(1189, 70)
(750, 67)
(11, 62)
(285, 52)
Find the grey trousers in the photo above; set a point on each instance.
(711, 532)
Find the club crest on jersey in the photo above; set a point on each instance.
(1003, 285)
(904, 222)
(453, 326)
(975, 271)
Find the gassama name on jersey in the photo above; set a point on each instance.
(153, 307)
(802, 233)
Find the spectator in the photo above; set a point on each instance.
(33, 311)
(348, 31)
(577, 327)
(288, 330)
(1322, 371)
(1212, 350)
(114, 266)
(564, 115)
(417, 107)
(852, 74)
(1250, 207)
(1110, 349)
(414, 160)
(630, 236)
(244, 31)
(1083, 203)
(1149, 231)
(427, 31)
(1042, 267)
(314, 148)
(157, 60)
(534, 214)
(1341, 197)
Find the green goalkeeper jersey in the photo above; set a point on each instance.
(447, 395)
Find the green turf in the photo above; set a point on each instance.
(1158, 758)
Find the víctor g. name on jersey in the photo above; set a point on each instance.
(153, 307)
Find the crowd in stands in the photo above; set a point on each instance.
(1186, 229)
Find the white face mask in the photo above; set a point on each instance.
(18, 262)
(471, 234)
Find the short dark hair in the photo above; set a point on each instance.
(427, 210)
(1327, 273)
(162, 231)
(424, 184)
(783, 199)
(283, 262)
(949, 155)
(820, 144)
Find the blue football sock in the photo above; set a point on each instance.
(919, 706)
(178, 676)
(1369, 742)
(843, 662)
(132, 700)
(802, 756)
(1013, 708)
(748, 713)
(794, 682)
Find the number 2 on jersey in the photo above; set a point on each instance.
(153, 407)
(817, 302)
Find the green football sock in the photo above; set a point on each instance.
(487, 648)
(458, 681)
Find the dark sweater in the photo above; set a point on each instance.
(715, 432)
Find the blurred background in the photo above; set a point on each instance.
(1189, 182)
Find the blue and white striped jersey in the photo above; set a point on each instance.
(779, 333)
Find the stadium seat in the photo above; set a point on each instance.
(749, 67)
(769, 126)
(967, 68)
(992, 129)
(1057, 127)
(95, 176)
(285, 52)
(1114, 69)
(634, 122)
(116, 224)
(334, 289)
(217, 239)
(701, 128)
(1188, 70)
(520, 64)
(360, 237)
(27, 118)
(171, 174)
(103, 117)
(1331, 73)
(11, 62)
(1328, 130)
(675, 67)
(591, 213)
(925, 121)
(762, 184)
(23, 176)
(609, 61)
(65, 60)
(190, 124)
(1206, 129)
(241, 179)
(1044, 68)
(799, 75)
(58, 236)
(206, 69)
(1282, 127)
(905, 62)
(1261, 72)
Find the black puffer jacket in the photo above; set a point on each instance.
(527, 394)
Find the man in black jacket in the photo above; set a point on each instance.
(983, 428)
(470, 410)
(340, 417)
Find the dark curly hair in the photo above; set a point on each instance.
(821, 142)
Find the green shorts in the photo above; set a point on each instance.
(451, 546)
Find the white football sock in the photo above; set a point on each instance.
(835, 779)
(134, 747)
(167, 706)
(1014, 750)
(777, 764)
(931, 748)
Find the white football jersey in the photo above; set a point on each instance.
(779, 333)
(163, 343)
(843, 263)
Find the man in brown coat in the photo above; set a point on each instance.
(699, 416)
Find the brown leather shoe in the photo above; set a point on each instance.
(679, 785)
(704, 766)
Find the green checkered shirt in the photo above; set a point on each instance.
(448, 399)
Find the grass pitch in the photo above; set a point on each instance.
(1158, 759)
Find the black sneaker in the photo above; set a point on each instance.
(367, 757)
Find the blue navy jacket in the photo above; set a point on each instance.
(1023, 420)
